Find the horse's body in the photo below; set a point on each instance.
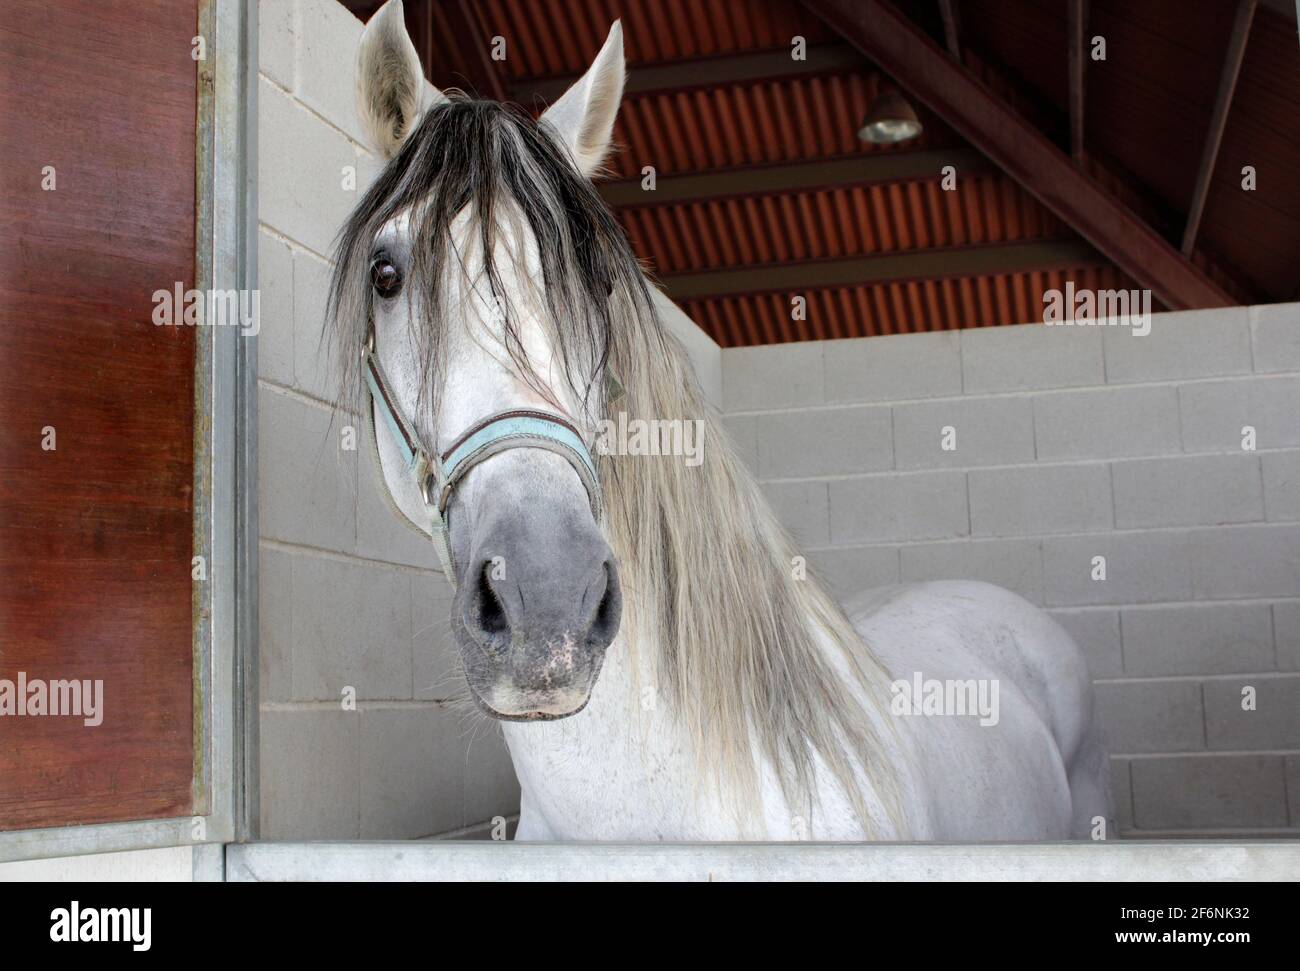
(714, 692)
(1036, 775)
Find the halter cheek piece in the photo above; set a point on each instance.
(436, 475)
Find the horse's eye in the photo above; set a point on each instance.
(385, 277)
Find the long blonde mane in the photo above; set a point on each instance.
(737, 631)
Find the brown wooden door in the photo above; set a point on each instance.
(97, 212)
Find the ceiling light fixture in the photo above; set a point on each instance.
(890, 119)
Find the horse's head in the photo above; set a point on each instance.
(486, 271)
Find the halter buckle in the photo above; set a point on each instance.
(428, 481)
(428, 488)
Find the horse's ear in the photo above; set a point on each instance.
(584, 115)
(390, 82)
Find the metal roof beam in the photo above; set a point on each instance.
(707, 72)
(951, 27)
(1219, 119)
(1078, 22)
(875, 169)
(905, 52)
(929, 264)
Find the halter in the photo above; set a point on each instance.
(436, 475)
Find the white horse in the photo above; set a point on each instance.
(641, 623)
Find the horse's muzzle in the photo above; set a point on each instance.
(538, 605)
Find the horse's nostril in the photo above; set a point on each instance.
(491, 615)
(604, 625)
(605, 613)
(514, 621)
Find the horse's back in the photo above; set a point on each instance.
(1032, 766)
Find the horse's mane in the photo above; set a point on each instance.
(712, 598)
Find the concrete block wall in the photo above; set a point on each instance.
(350, 599)
(1072, 443)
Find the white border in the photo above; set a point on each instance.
(501, 861)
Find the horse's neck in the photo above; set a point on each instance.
(620, 769)
(616, 769)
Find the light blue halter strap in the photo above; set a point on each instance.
(518, 428)
(436, 476)
(402, 436)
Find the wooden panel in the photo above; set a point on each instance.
(96, 535)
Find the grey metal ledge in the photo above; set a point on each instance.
(488, 861)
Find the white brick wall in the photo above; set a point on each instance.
(349, 597)
(1073, 443)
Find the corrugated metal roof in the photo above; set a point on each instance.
(755, 124)
(833, 223)
(903, 307)
(558, 37)
(1146, 109)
